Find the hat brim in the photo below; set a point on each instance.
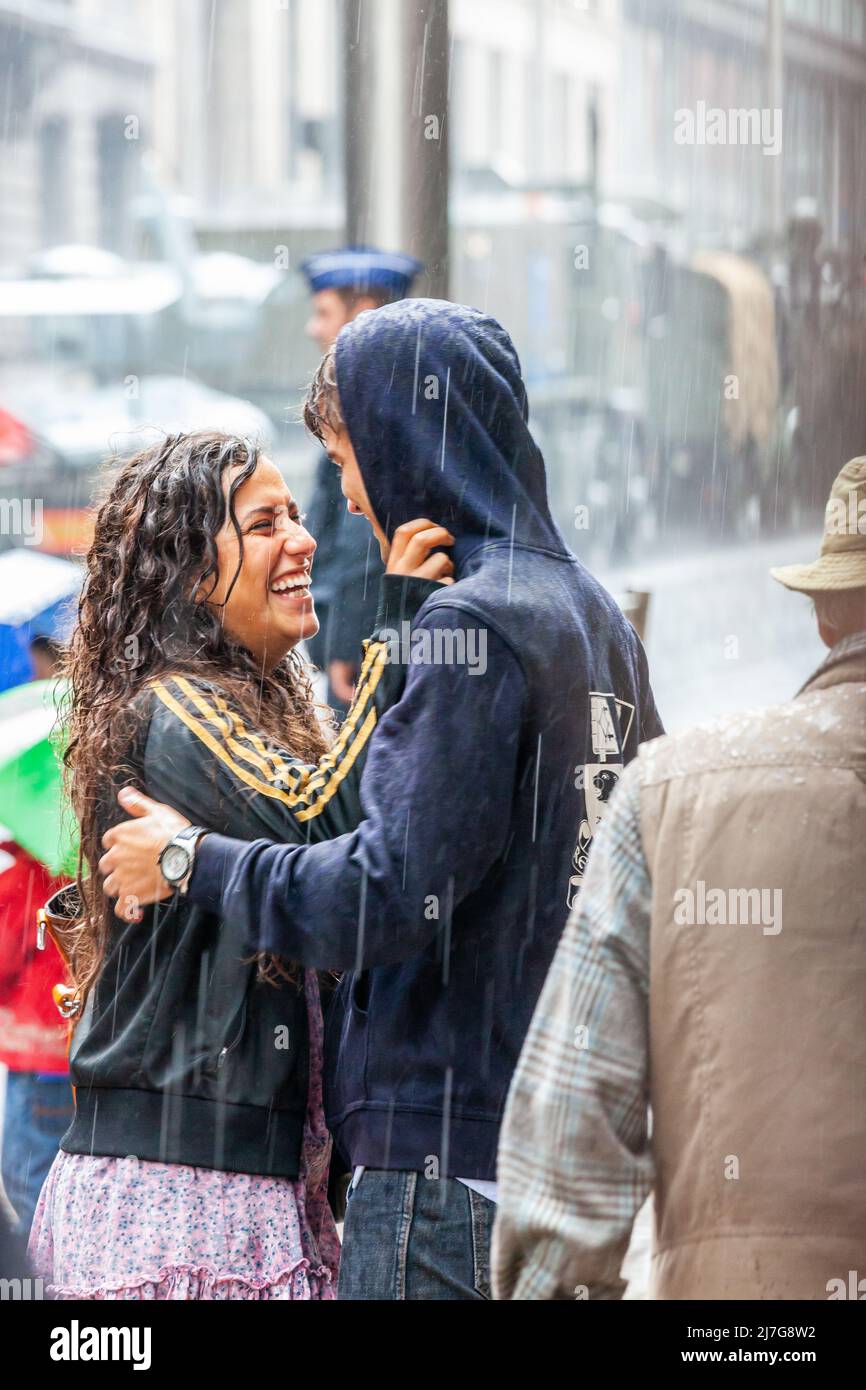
(826, 575)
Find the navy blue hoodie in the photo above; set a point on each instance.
(527, 692)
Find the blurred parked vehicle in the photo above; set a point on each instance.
(56, 432)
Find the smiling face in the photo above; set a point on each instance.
(268, 607)
(339, 449)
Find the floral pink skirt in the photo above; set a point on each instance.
(125, 1228)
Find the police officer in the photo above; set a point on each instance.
(347, 566)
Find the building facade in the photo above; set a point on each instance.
(78, 85)
(699, 56)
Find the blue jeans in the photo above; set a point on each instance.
(37, 1115)
(411, 1237)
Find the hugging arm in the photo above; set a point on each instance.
(202, 764)
(437, 794)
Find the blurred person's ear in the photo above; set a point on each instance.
(839, 613)
(827, 634)
(364, 301)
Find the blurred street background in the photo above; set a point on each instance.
(689, 306)
(663, 201)
(690, 313)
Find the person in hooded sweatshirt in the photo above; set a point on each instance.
(527, 693)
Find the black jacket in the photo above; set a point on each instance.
(184, 1055)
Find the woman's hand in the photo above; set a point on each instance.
(411, 548)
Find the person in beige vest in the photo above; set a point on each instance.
(713, 974)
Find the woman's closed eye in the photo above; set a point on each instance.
(267, 525)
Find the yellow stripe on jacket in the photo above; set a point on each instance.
(314, 786)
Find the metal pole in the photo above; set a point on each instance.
(396, 130)
(775, 81)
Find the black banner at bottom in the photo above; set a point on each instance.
(155, 1337)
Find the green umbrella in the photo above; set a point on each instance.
(32, 805)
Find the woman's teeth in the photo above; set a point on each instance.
(298, 583)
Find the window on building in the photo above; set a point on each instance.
(558, 138)
(114, 158)
(495, 109)
(53, 165)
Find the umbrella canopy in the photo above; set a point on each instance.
(36, 600)
(31, 793)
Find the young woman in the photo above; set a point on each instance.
(196, 1164)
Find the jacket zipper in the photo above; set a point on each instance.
(230, 1047)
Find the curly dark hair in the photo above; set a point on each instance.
(154, 553)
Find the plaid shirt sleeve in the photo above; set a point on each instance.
(574, 1158)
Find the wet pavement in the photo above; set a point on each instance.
(722, 634)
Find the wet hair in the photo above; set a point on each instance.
(322, 403)
(140, 617)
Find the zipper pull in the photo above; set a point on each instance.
(40, 930)
(222, 1056)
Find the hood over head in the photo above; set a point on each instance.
(436, 410)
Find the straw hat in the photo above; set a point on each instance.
(842, 564)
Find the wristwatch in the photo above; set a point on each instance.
(178, 857)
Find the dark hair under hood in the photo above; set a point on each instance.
(435, 407)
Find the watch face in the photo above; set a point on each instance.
(174, 863)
